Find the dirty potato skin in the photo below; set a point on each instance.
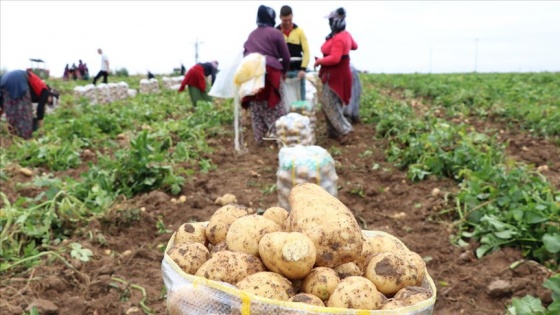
(307, 299)
(195, 232)
(320, 282)
(230, 267)
(392, 271)
(327, 222)
(267, 284)
(347, 270)
(356, 293)
(219, 223)
(221, 246)
(411, 295)
(291, 254)
(189, 256)
(245, 233)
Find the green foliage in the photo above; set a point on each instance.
(121, 72)
(529, 305)
(500, 202)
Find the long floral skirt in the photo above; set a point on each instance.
(337, 124)
(19, 113)
(263, 118)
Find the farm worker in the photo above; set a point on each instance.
(196, 79)
(352, 111)
(18, 90)
(66, 74)
(336, 75)
(104, 70)
(266, 105)
(298, 46)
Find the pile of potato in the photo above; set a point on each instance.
(104, 93)
(172, 83)
(293, 129)
(307, 109)
(148, 86)
(316, 254)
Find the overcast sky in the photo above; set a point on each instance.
(393, 36)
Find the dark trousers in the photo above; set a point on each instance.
(99, 75)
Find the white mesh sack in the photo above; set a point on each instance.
(194, 295)
(145, 86)
(293, 129)
(104, 94)
(122, 90)
(131, 92)
(290, 90)
(305, 108)
(154, 85)
(299, 164)
(113, 91)
(88, 91)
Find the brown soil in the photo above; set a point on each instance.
(127, 244)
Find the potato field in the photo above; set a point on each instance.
(464, 169)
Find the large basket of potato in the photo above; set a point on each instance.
(314, 259)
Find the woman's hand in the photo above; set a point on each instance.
(317, 63)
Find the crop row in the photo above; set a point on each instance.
(499, 202)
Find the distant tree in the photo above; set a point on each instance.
(122, 72)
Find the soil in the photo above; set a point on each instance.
(128, 243)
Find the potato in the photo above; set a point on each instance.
(221, 220)
(230, 267)
(374, 244)
(356, 293)
(320, 282)
(189, 256)
(367, 252)
(267, 284)
(327, 222)
(392, 271)
(289, 254)
(245, 233)
(307, 299)
(186, 298)
(385, 243)
(392, 304)
(226, 199)
(347, 270)
(195, 232)
(411, 295)
(276, 214)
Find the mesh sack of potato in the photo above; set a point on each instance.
(122, 90)
(293, 129)
(104, 94)
(154, 85)
(113, 90)
(145, 86)
(131, 92)
(314, 259)
(299, 164)
(196, 295)
(167, 82)
(306, 108)
(89, 92)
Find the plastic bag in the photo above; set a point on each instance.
(224, 87)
